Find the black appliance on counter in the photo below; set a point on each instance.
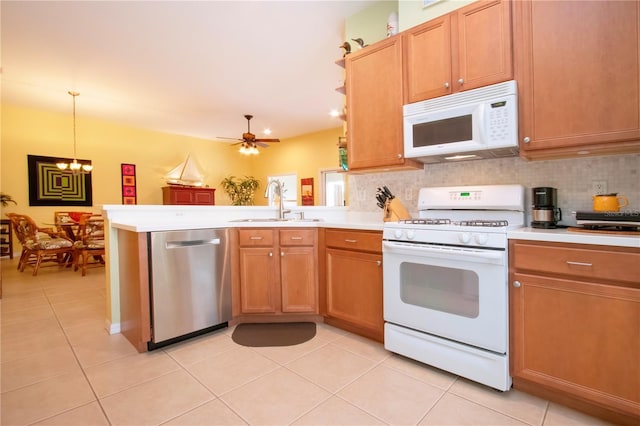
(623, 220)
(545, 211)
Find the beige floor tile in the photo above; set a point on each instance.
(32, 300)
(156, 401)
(14, 349)
(420, 371)
(453, 410)
(558, 415)
(213, 413)
(277, 398)
(338, 412)
(29, 329)
(194, 350)
(101, 348)
(329, 333)
(37, 367)
(362, 346)
(285, 354)
(230, 369)
(331, 367)
(90, 414)
(123, 373)
(391, 396)
(45, 399)
(28, 314)
(514, 403)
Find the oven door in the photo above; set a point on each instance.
(457, 293)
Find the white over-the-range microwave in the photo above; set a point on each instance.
(475, 124)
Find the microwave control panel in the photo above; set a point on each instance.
(499, 123)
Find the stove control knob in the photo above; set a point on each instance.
(482, 239)
(464, 238)
(398, 233)
(411, 234)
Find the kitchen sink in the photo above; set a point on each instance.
(273, 219)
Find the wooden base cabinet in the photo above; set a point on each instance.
(578, 70)
(575, 326)
(277, 271)
(354, 282)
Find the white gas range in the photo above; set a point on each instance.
(445, 280)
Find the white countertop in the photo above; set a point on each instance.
(175, 218)
(563, 235)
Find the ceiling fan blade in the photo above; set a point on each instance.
(261, 144)
(267, 140)
(233, 139)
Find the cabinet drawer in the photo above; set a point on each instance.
(354, 240)
(255, 237)
(297, 237)
(593, 263)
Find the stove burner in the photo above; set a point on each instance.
(426, 221)
(491, 223)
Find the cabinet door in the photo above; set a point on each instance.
(482, 45)
(427, 62)
(179, 196)
(577, 337)
(204, 197)
(298, 279)
(374, 104)
(354, 289)
(577, 66)
(259, 285)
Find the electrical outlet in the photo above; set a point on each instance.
(599, 187)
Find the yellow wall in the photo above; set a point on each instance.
(37, 132)
(305, 155)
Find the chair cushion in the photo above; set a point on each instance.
(48, 243)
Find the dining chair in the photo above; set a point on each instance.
(39, 244)
(90, 243)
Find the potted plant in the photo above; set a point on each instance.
(5, 199)
(240, 191)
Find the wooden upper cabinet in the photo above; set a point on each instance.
(577, 66)
(463, 50)
(374, 104)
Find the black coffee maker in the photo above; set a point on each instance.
(546, 213)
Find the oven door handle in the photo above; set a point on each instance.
(473, 255)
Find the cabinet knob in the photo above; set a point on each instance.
(270, 254)
(281, 254)
(461, 81)
(516, 284)
(526, 139)
(399, 155)
(379, 262)
(446, 85)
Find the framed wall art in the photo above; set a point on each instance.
(50, 186)
(128, 172)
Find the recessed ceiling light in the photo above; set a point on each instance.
(334, 113)
(267, 131)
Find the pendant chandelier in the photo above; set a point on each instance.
(75, 166)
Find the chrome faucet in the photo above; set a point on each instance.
(278, 191)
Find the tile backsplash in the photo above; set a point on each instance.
(572, 178)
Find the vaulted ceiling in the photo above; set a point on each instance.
(185, 67)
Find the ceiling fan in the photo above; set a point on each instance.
(249, 141)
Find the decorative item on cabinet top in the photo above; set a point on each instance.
(187, 173)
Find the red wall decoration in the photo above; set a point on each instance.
(306, 189)
(128, 183)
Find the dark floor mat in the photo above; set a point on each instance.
(273, 334)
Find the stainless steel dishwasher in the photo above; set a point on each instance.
(190, 284)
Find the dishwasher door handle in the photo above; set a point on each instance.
(192, 243)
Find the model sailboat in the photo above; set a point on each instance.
(186, 173)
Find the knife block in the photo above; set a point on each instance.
(394, 211)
